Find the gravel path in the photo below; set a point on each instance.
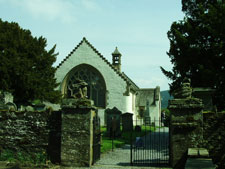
(120, 158)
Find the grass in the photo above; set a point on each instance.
(23, 158)
(106, 144)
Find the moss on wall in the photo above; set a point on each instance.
(214, 135)
(24, 132)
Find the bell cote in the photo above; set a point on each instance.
(116, 59)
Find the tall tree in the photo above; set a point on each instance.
(197, 47)
(25, 65)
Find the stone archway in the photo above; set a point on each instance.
(95, 80)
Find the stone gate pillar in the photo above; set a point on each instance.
(186, 125)
(77, 133)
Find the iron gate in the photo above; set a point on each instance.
(149, 143)
(96, 139)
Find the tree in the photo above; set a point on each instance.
(197, 47)
(25, 65)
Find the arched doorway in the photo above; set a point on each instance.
(96, 83)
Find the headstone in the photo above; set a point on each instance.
(137, 128)
(113, 118)
(127, 122)
(6, 101)
(29, 108)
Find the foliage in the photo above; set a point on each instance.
(23, 158)
(26, 66)
(197, 47)
(167, 117)
(165, 97)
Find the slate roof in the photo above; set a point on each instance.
(150, 94)
(116, 52)
(122, 75)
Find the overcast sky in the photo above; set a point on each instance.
(137, 27)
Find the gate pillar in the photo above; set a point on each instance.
(186, 125)
(77, 132)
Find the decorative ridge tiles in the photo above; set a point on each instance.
(69, 54)
(99, 54)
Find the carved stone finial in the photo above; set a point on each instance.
(185, 91)
(78, 89)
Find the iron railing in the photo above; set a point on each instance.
(151, 145)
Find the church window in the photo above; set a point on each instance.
(96, 89)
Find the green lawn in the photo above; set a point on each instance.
(106, 144)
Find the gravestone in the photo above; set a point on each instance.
(186, 123)
(113, 118)
(6, 101)
(77, 130)
(127, 122)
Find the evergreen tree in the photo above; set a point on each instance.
(26, 66)
(197, 47)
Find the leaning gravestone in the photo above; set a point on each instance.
(77, 128)
(113, 118)
(127, 122)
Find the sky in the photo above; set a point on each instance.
(137, 27)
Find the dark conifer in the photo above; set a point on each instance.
(197, 47)
(26, 66)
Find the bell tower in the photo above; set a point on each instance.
(116, 59)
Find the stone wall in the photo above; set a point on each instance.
(77, 137)
(214, 135)
(185, 129)
(24, 131)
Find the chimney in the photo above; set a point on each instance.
(116, 59)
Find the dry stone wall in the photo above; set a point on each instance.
(24, 131)
(214, 135)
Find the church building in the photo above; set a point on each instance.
(108, 87)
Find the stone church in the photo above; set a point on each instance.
(108, 87)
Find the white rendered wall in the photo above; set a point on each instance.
(155, 113)
(115, 85)
(129, 103)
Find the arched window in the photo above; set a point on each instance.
(96, 83)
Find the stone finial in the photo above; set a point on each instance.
(78, 89)
(185, 91)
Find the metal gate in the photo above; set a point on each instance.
(96, 139)
(150, 143)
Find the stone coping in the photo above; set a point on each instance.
(199, 158)
(197, 163)
(198, 152)
(186, 103)
(185, 125)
